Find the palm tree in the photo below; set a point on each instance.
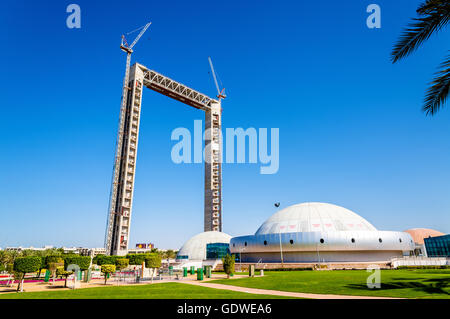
(434, 15)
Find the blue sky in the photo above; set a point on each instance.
(351, 128)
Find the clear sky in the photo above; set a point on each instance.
(351, 128)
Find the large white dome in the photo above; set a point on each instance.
(312, 217)
(195, 247)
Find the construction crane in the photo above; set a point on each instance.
(220, 93)
(115, 210)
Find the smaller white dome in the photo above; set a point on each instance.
(195, 247)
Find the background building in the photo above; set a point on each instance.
(204, 248)
(418, 235)
(438, 246)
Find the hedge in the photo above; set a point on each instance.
(424, 267)
(106, 260)
(138, 259)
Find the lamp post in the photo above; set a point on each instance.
(240, 258)
(281, 247)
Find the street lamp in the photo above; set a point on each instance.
(240, 258)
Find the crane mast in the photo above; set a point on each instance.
(119, 211)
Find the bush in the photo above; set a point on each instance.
(122, 263)
(152, 261)
(108, 269)
(228, 264)
(81, 261)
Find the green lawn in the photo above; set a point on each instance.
(168, 290)
(394, 283)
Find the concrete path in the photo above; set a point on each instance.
(277, 292)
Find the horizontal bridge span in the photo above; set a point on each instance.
(180, 92)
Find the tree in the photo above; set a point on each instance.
(42, 265)
(83, 262)
(169, 253)
(10, 271)
(122, 263)
(96, 258)
(153, 261)
(107, 270)
(61, 272)
(52, 263)
(136, 259)
(434, 15)
(51, 259)
(24, 265)
(228, 264)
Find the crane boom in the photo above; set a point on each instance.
(220, 94)
(214, 74)
(140, 35)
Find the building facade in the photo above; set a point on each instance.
(319, 232)
(438, 246)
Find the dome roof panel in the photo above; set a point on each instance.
(310, 217)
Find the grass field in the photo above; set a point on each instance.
(168, 290)
(394, 283)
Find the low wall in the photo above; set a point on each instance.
(420, 261)
(315, 266)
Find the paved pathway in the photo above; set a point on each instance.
(277, 292)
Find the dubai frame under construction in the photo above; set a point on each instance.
(121, 198)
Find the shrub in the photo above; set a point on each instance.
(152, 261)
(108, 269)
(122, 263)
(25, 265)
(228, 264)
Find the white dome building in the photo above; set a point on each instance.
(320, 232)
(195, 249)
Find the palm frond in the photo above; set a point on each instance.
(439, 90)
(433, 16)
